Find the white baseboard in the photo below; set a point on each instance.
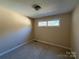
(7, 51)
(53, 44)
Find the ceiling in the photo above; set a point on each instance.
(49, 7)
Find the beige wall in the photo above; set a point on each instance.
(10, 21)
(75, 31)
(57, 35)
(15, 29)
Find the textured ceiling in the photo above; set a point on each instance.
(49, 7)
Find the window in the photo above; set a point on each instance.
(49, 23)
(54, 23)
(42, 23)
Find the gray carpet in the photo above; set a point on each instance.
(36, 50)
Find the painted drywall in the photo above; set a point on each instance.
(15, 29)
(54, 35)
(75, 32)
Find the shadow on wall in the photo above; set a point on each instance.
(15, 29)
(14, 38)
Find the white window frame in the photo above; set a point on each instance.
(49, 23)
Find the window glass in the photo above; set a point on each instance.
(54, 23)
(42, 23)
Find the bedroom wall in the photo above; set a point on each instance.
(75, 32)
(15, 29)
(55, 35)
